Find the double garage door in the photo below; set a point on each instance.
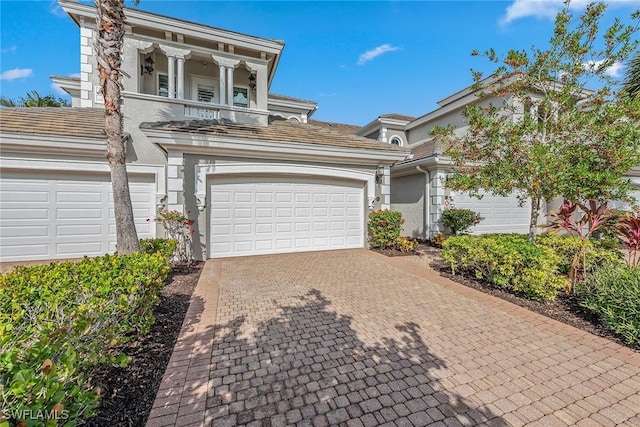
(501, 214)
(53, 215)
(279, 214)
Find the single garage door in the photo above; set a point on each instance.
(53, 215)
(266, 215)
(501, 214)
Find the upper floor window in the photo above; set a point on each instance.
(396, 141)
(163, 85)
(240, 97)
(206, 93)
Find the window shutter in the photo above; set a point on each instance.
(206, 94)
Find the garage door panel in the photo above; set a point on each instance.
(288, 214)
(55, 214)
(501, 214)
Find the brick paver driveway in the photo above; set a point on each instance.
(354, 338)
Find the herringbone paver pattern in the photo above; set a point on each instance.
(356, 339)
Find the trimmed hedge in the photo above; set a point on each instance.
(598, 253)
(61, 320)
(165, 247)
(384, 228)
(509, 261)
(613, 294)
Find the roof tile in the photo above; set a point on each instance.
(60, 121)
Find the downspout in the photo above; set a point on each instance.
(427, 203)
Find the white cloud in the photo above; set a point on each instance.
(548, 8)
(16, 73)
(614, 71)
(374, 53)
(57, 89)
(11, 49)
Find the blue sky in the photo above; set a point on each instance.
(356, 59)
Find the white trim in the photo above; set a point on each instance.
(202, 171)
(208, 144)
(159, 172)
(53, 143)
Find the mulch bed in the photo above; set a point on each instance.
(564, 309)
(128, 393)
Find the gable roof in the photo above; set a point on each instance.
(280, 130)
(396, 116)
(58, 121)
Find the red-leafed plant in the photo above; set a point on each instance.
(583, 223)
(628, 231)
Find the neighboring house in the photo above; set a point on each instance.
(418, 184)
(205, 137)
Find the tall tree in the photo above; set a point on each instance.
(546, 135)
(34, 99)
(110, 22)
(632, 77)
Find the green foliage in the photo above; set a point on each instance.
(508, 261)
(165, 247)
(406, 245)
(60, 321)
(545, 135)
(597, 252)
(460, 220)
(384, 228)
(34, 99)
(613, 293)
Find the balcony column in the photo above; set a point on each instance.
(180, 81)
(223, 79)
(173, 53)
(226, 66)
(230, 86)
(171, 75)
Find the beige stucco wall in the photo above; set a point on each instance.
(407, 196)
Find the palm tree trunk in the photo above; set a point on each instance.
(110, 22)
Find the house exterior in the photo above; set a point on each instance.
(418, 184)
(205, 137)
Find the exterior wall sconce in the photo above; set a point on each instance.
(147, 68)
(379, 175)
(252, 81)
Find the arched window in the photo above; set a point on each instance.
(396, 141)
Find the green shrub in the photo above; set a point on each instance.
(384, 228)
(613, 293)
(598, 252)
(460, 220)
(165, 247)
(404, 244)
(509, 261)
(61, 320)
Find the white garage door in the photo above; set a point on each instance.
(618, 204)
(266, 215)
(501, 214)
(53, 215)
